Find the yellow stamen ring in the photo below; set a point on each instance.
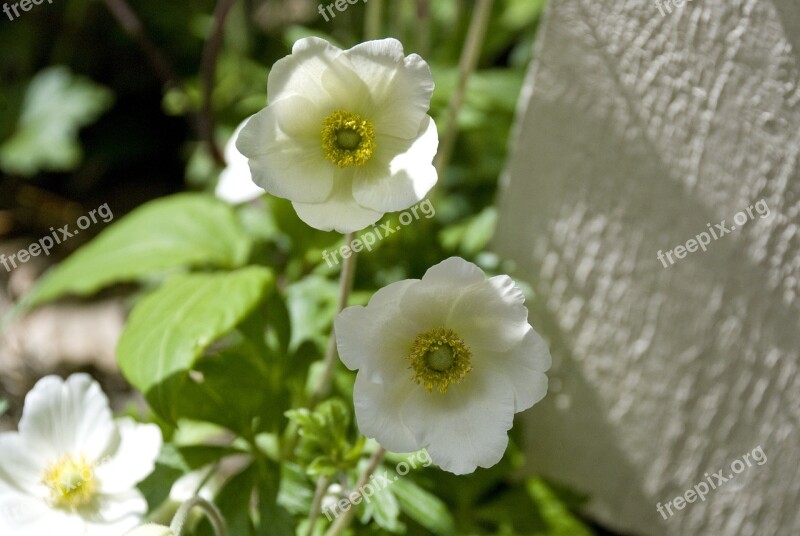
(347, 138)
(71, 482)
(439, 358)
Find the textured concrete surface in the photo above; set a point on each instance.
(635, 132)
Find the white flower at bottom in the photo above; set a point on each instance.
(71, 469)
(444, 363)
(151, 529)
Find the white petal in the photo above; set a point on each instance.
(401, 88)
(21, 515)
(294, 168)
(339, 212)
(431, 302)
(20, 470)
(150, 529)
(235, 183)
(347, 91)
(491, 315)
(121, 526)
(377, 412)
(409, 176)
(131, 458)
(67, 417)
(302, 70)
(524, 366)
(125, 508)
(376, 339)
(206, 480)
(467, 427)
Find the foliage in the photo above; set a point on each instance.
(232, 306)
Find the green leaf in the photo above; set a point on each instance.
(312, 304)
(233, 390)
(553, 504)
(57, 104)
(384, 510)
(171, 328)
(184, 230)
(3, 406)
(423, 507)
(296, 493)
(472, 235)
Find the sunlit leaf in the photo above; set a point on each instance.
(170, 233)
(169, 329)
(57, 104)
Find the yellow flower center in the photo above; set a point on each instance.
(71, 482)
(439, 358)
(347, 138)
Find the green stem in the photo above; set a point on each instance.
(316, 505)
(469, 60)
(343, 521)
(179, 521)
(372, 20)
(345, 286)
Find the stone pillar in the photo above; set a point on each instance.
(640, 133)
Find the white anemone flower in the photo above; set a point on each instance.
(444, 363)
(235, 183)
(345, 135)
(150, 529)
(71, 469)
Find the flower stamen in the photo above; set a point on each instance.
(347, 138)
(439, 358)
(71, 482)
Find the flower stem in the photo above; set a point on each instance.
(343, 521)
(469, 60)
(201, 119)
(208, 69)
(422, 10)
(372, 20)
(345, 286)
(133, 26)
(316, 505)
(179, 521)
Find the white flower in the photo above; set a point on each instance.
(151, 529)
(71, 469)
(345, 136)
(235, 182)
(204, 482)
(443, 364)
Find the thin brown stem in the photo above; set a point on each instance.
(130, 22)
(343, 520)
(469, 60)
(202, 120)
(423, 33)
(372, 20)
(208, 71)
(316, 504)
(345, 286)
